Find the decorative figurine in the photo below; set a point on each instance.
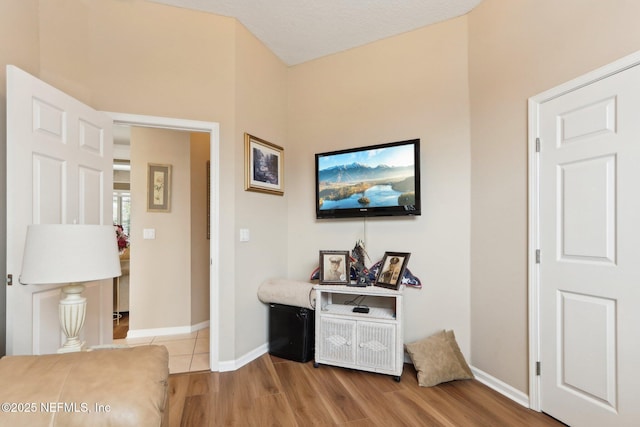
(358, 255)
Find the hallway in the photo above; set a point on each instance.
(187, 352)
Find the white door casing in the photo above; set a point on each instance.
(59, 171)
(584, 283)
(213, 129)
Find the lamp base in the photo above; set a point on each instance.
(72, 349)
(71, 310)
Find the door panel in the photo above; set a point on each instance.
(587, 332)
(59, 163)
(587, 202)
(48, 122)
(91, 196)
(49, 191)
(589, 274)
(91, 139)
(588, 121)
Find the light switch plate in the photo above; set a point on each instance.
(149, 233)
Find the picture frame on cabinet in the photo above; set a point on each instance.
(334, 267)
(264, 166)
(392, 269)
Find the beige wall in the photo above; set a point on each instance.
(170, 275)
(141, 56)
(18, 46)
(144, 58)
(169, 280)
(160, 276)
(410, 86)
(19, 39)
(261, 89)
(199, 156)
(517, 50)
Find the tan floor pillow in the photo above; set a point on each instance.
(438, 359)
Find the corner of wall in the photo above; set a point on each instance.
(3, 222)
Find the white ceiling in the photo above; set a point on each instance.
(301, 30)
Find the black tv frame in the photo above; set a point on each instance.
(375, 211)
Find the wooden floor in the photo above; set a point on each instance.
(121, 328)
(275, 392)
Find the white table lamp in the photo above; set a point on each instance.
(71, 254)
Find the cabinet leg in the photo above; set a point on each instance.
(397, 378)
(316, 364)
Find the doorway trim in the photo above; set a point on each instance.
(213, 129)
(534, 104)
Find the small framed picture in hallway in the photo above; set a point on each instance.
(158, 188)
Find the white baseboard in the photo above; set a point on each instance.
(199, 326)
(232, 365)
(159, 332)
(501, 387)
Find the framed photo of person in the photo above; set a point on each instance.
(391, 269)
(334, 267)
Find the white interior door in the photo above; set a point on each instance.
(589, 269)
(59, 171)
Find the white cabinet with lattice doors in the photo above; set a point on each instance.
(370, 341)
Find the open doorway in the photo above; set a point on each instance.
(122, 224)
(212, 136)
(164, 250)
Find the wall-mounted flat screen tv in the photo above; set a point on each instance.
(377, 180)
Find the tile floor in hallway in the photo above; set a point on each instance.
(187, 352)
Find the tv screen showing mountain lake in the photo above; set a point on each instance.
(372, 178)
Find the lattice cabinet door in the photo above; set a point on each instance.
(376, 346)
(336, 342)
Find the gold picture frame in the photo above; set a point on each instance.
(264, 166)
(158, 187)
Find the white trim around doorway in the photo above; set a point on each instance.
(213, 129)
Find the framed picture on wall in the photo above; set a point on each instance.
(334, 267)
(158, 188)
(391, 269)
(264, 166)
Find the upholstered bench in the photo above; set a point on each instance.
(111, 387)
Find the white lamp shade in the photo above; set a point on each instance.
(63, 253)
